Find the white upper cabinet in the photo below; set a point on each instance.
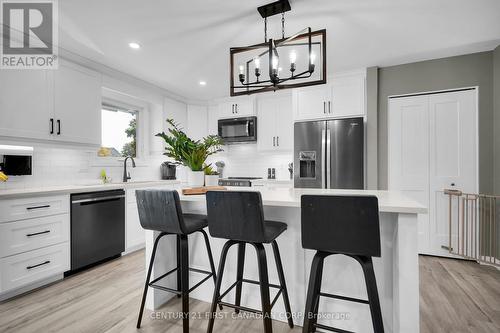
(25, 104)
(311, 102)
(285, 124)
(237, 107)
(213, 115)
(275, 124)
(77, 105)
(348, 96)
(343, 97)
(62, 104)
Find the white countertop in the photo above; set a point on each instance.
(64, 189)
(389, 201)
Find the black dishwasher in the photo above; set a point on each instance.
(97, 227)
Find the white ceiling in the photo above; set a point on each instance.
(185, 41)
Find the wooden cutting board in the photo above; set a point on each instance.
(202, 190)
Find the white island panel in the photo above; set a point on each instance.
(396, 270)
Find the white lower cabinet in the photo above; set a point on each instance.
(134, 233)
(27, 235)
(34, 242)
(28, 208)
(29, 267)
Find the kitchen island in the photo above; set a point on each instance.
(396, 270)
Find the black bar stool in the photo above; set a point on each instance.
(239, 217)
(346, 225)
(160, 210)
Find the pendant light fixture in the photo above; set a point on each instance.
(286, 62)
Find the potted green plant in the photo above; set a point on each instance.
(188, 152)
(211, 176)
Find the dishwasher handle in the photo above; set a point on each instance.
(97, 200)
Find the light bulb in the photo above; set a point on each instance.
(275, 62)
(293, 57)
(242, 69)
(257, 62)
(313, 57)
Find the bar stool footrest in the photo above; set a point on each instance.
(345, 298)
(175, 291)
(242, 308)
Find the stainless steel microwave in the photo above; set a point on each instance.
(237, 130)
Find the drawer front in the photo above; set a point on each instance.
(26, 235)
(26, 208)
(29, 267)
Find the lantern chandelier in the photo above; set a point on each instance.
(289, 62)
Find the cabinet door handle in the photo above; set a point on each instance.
(274, 141)
(232, 108)
(324, 107)
(51, 125)
(38, 233)
(236, 108)
(329, 107)
(37, 207)
(278, 141)
(58, 126)
(43, 263)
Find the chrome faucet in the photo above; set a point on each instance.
(126, 175)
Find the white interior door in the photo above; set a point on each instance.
(409, 155)
(433, 146)
(453, 158)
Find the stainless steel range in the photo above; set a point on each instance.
(237, 181)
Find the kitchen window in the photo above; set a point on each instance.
(119, 131)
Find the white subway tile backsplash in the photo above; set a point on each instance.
(70, 166)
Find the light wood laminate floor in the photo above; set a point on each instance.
(455, 296)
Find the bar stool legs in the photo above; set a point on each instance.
(184, 282)
(148, 278)
(239, 274)
(264, 287)
(263, 282)
(314, 293)
(371, 288)
(182, 271)
(218, 284)
(281, 275)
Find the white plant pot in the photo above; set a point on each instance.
(196, 178)
(211, 180)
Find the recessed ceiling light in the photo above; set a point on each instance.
(134, 45)
(203, 83)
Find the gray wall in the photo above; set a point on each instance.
(496, 101)
(439, 74)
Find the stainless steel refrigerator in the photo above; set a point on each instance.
(329, 154)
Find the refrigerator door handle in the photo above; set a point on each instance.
(328, 159)
(323, 159)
